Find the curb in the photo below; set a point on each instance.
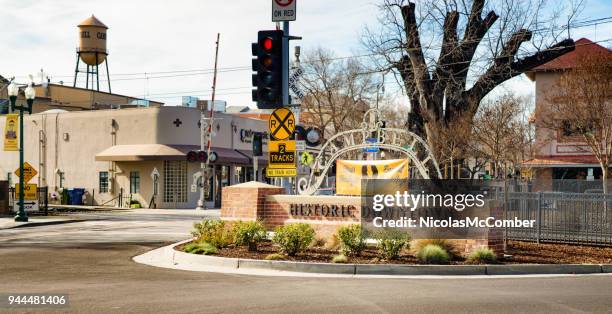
(44, 223)
(183, 259)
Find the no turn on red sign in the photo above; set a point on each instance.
(283, 10)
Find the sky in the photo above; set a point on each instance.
(149, 37)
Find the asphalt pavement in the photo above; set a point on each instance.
(91, 262)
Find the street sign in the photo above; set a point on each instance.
(306, 158)
(28, 172)
(29, 206)
(281, 159)
(281, 123)
(293, 80)
(283, 10)
(281, 154)
(371, 149)
(300, 146)
(29, 192)
(281, 172)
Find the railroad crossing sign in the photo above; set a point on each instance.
(281, 159)
(283, 10)
(281, 124)
(28, 172)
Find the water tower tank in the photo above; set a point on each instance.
(92, 41)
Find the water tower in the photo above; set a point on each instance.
(92, 51)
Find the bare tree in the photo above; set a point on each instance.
(452, 144)
(581, 106)
(338, 91)
(491, 50)
(499, 133)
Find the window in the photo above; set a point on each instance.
(103, 179)
(134, 182)
(61, 179)
(568, 129)
(175, 181)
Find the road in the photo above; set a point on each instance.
(91, 262)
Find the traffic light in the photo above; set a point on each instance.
(268, 63)
(257, 144)
(201, 156)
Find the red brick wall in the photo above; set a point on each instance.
(245, 202)
(267, 204)
(276, 212)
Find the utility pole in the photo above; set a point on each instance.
(206, 136)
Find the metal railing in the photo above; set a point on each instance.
(576, 218)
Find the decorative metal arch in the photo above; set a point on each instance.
(393, 139)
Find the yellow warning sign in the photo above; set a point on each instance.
(29, 192)
(280, 172)
(28, 172)
(281, 123)
(281, 154)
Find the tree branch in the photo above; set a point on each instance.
(503, 68)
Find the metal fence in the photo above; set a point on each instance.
(577, 218)
(42, 194)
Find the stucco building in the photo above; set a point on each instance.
(559, 154)
(109, 151)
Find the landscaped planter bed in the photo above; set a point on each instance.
(521, 253)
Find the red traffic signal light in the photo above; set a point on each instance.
(202, 156)
(192, 156)
(268, 67)
(267, 44)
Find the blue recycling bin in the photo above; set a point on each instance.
(76, 196)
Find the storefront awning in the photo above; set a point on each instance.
(143, 152)
(561, 162)
(262, 161)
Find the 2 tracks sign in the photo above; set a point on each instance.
(281, 150)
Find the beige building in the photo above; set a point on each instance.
(56, 96)
(109, 151)
(560, 155)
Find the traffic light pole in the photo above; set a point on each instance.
(285, 182)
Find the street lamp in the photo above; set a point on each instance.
(30, 94)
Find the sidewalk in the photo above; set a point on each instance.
(8, 222)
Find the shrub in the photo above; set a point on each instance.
(275, 257)
(443, 243)
(340, 259)
(249, 233)
(433, 254)
(293, 238)
(391, 242)
(333, 243)
(203, 248)
(319, 242)
(213, 232)
(482, 256)
(351, 239)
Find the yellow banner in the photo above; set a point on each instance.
(350, 172)
(11, 132)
